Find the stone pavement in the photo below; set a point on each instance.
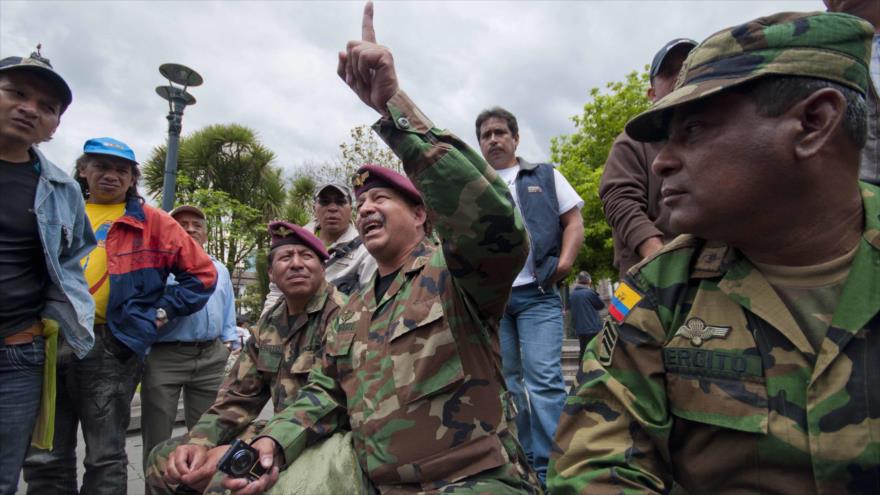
(134, 446)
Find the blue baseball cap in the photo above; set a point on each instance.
(109, 146)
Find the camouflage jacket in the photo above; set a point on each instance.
(709, 383)
(274, 363)
(417, 375)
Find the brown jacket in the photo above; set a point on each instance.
(630, 194)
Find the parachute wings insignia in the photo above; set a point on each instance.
(698, 331)
(282, 231)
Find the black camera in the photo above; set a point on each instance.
(241, 461)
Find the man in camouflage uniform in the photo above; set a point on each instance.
(275, 364)
(412, 364)
(742, 358)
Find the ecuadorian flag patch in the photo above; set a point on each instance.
(624, 300)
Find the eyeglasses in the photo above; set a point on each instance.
(338, 201)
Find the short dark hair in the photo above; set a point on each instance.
(86, 158)
(500, 113)
(774, 95)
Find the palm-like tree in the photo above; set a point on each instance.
(229, 159)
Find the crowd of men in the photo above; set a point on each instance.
(412, 339)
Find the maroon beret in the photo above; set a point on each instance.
(283, 233)
(370, 176)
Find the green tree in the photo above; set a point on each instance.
(234, 228)
(362, 147)
(225, 170)
(224, 157)
(581, 157)
(300, 197)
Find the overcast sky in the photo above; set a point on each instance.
(272, 65)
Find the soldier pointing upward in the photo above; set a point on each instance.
(412, 363)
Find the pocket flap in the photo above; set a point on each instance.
(339, 342)
(417, 315)
(303, 363)
(731, 404)
(269, 359)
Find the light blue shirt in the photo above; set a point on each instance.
(215, 320)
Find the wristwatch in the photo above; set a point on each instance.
(161, 315)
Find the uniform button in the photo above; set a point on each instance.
(403, 122)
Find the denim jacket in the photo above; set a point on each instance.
(67, 237)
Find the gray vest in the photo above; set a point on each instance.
(536, 193)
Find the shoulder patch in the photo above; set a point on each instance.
(608, 341)
(624, 300)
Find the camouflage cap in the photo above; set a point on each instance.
(831, 46)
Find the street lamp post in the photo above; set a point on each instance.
(178, 100)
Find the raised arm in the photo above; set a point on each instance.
(484, 240)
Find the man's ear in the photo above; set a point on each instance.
(819, 117)
(650, 93)
(421, 214)
(271, 277)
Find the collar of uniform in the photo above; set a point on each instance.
(871, 200)
(315, 304)
(715, 257)
(419, 256)
(319, 298)
(713, 260)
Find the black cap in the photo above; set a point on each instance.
(684, 43)
(41, 66)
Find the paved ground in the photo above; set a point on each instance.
(134, 446)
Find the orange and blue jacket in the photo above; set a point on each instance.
(143, 247)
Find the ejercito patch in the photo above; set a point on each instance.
(608, 341)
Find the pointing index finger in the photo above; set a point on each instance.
(367, 31)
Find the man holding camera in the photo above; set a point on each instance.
(274, 364)
(412, 365)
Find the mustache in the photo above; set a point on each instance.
(372, 217)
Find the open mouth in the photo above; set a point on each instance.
(371, 226)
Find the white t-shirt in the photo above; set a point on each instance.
(567, 198)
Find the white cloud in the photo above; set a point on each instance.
(272, 65)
